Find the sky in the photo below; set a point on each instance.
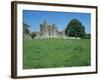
(61, 19)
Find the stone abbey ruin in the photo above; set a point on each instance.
(49, 31)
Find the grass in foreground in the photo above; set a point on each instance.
(51, 53)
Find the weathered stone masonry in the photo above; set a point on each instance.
(49, 31)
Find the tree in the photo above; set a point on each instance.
(25, 28)
(26, 31)
(33, 34)
(75, 29)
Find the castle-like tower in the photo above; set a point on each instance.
(48, 30)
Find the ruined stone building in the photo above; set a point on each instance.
(49, 31)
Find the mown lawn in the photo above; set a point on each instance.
(50, 53)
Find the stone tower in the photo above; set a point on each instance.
(48, 31)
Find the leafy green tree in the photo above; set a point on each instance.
(25, 28)
(75, 29)
(33, 34)
(26, 32)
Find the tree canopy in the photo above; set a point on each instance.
(75, 29)
(33, 34)
(25, 28)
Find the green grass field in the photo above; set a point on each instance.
(51, 53)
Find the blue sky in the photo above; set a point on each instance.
(61, 19)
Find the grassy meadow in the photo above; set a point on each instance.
(52, 53)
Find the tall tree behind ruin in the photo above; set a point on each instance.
(75, 29)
